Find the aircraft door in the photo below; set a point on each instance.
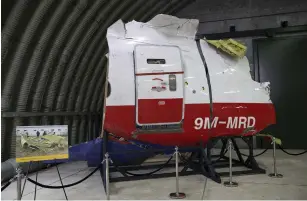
(159, 87)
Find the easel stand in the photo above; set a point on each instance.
(19, 181)
(19, 178)
(56, 165)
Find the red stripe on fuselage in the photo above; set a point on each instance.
(160, 110)
(120, 120)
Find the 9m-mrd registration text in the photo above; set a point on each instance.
(230, 123)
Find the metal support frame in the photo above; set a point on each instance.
(250, 163)
(200, 162)
(126, 177)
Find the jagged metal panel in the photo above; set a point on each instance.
(52, 53)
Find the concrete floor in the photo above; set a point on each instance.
(292, 186)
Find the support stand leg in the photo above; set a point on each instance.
(208, 149)
(35, 187)
(236, 148)
(26, 177)
(222, 153)
(56, 165)
(207, 167)
(275, 174)
(250, 161)
(230, 183)
(177, 194)
(19, 178)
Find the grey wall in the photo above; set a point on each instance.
(248, 41)
(216, 16)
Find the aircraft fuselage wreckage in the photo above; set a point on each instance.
(167, 88)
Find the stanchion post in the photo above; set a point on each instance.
(107, 176)
(274, 174)
(19, 178)
(230, 183)
(177, 194)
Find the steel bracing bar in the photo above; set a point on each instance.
(254, 33)
(200, 163)
(41, 114)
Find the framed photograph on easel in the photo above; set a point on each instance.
(41, 143)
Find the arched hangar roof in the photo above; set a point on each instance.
(52, 57)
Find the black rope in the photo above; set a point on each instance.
(282, 149)
(5, 186)
(65, 186)
(144, 174)
(256, 154)
(292, 154)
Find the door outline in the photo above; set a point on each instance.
(136, 90)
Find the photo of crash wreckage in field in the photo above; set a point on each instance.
(40, 141)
